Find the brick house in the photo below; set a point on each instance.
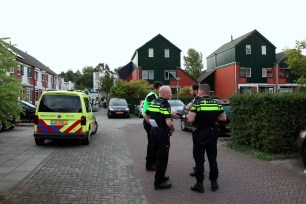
(34, 76)
(247, 64)
(157, 60)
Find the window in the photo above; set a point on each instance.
(36, 76)
(245, 72)
(267, 72)
(42, 77)
(263, 50)
(167, 53)
(284, 73)
(20, 70)
(29, 71)
(170, 75)
(248, 49)
(148, 74)
(151, 52)
(51, 79)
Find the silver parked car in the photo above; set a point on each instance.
(177, 106)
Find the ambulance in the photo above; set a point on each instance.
(64, 115)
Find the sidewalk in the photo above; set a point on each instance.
(19, 156)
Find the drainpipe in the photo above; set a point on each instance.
(235, 78)
(276, 73)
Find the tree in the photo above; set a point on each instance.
(297, 61)
(132, 91)
(193, 63)
(107, 82)
(10, 87)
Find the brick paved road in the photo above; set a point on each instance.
(111, 170)
(102, 172)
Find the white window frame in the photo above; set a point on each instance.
(151, 52)
(248, 49)
(264, 50)
(168, 72)
(247, 72)
(167, 53)
(148, 74)
(266, 74)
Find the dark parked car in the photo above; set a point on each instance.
(28, 111)
(138, 109)
(223, 126)
(118, 107)
(301, 144)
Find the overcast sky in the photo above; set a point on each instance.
(72, 34)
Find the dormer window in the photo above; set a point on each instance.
(167, 53)
(151, 52)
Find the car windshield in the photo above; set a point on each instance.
(118, 102)
(176, 103)
(60, 103)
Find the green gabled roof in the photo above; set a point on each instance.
(237, 41)
(159, 35)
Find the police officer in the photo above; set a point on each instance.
(193, 90)
(151, 153)
(160, 117)
(204, 113)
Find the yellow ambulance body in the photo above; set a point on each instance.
(64, 115)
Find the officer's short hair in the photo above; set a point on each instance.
(195, 87)
(205, 88)
(157, 84)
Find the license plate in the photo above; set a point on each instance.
(119, 112)
(59, 122)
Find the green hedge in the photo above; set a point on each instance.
(268, 122)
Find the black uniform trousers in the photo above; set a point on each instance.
(161, 143)
(151, 153)
(205, 140)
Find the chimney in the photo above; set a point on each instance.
(231, 37)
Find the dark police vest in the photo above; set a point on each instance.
(207, 111)
(160, 111)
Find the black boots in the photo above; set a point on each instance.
(198, 187)
(163, 185)
(214, 186)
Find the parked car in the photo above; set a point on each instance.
(301, 145)
(28, 111)
(118, 107)
(222, 125)
(177, 106)
(138, 109)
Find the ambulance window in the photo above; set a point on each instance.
(60, 103)
(87, 104)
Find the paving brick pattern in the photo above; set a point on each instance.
(242, 179)
(112, 170)
(102, 172)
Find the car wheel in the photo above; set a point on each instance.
(304, 156)
(40, 142)
(128, 116)
(183, 125)
(96, 129)
(1, 126)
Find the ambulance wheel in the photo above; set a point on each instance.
(40, 142)
(87, 140)
(96, 129)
